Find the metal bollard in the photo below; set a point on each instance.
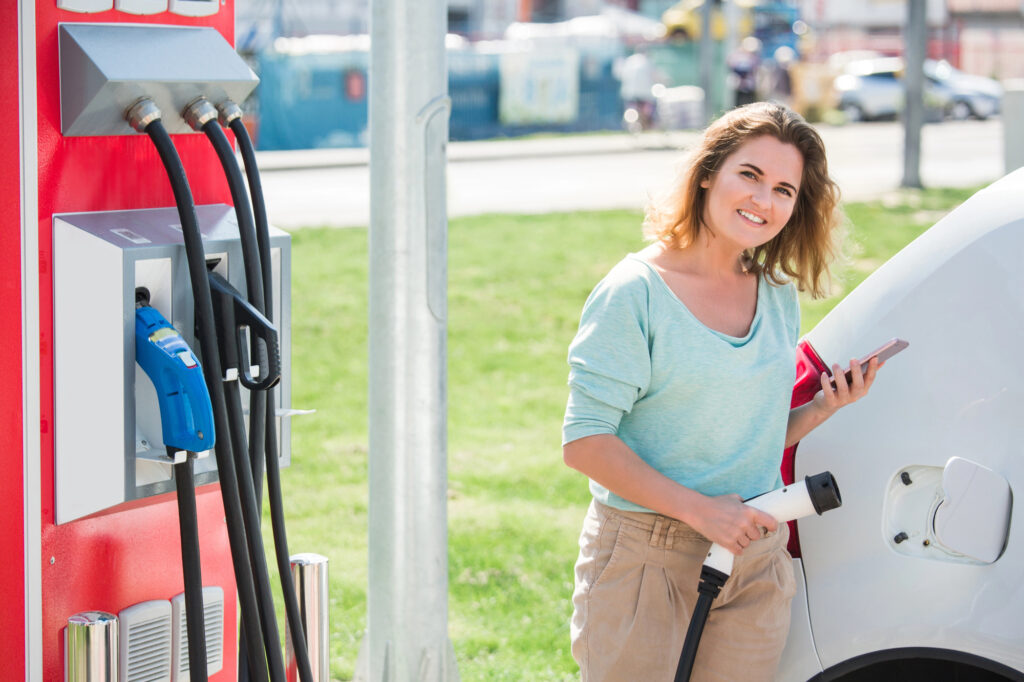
(309, 573)
(1013, 131)
(1013, 128)
(90, 648)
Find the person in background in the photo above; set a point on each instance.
(776, 78)
(638, 76)
(680, 381)
(743, 64)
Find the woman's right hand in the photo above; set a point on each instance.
(725, 520)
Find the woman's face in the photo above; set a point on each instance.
(752, 196)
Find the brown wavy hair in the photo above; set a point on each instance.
(810, 241)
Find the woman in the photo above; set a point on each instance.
(680, 383)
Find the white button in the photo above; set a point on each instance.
(194, 8)
(141, 6)
(85, 5)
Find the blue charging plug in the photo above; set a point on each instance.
(186, 413)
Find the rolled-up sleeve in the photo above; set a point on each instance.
(609, 360)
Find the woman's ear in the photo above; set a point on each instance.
(705, 183)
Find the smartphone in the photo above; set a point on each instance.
(883, 353)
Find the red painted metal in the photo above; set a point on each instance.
(12, 487)
(131, 554)
(808, 382)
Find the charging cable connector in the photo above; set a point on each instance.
(816, 495)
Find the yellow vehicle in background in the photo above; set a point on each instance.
(683, 20)
(775, 23)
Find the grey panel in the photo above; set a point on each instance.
(105, 68)
(109, 446)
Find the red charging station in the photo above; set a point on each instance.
(127, 554)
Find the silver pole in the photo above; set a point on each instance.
(309, 574)
(707, 59)
(407, 628)
(915, 41)
(91, 648)
(732, 24)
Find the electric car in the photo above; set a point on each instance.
(918, 575)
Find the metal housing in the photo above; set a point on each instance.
(105, 68)
(108, 442)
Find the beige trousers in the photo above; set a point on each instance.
(636, 586)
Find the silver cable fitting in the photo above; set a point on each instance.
(198, 113)
(142, 113)
(229, 111)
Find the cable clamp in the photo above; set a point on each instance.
(177, 458)
(198, 113)
(229, 111)
(143, 112)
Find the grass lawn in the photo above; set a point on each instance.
(516, 287)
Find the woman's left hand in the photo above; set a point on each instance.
(830, 398)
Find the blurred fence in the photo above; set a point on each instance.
(319, 99)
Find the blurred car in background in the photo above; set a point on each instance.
(871, 87)
(968, 96)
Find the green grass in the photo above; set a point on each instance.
(516, 287)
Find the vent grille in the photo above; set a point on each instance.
(213, 620)
(146, 642)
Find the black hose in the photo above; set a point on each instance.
(254, 284)
(206, 331)
(693, 633)
(250, 513)
(262, 232)
(258, 399)
(195, 611)
(259, 209)
(274, 495)
(259, 212)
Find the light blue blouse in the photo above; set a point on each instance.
(706, 409)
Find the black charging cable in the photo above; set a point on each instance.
(711, 581)
(201, 115)
(188, 524)
(231, 115)
(188, 518)
(144, 116)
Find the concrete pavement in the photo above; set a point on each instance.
(610, 170)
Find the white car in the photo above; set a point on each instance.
(967, 96)
(918, 576)
(872, 88)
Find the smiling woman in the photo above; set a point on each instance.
(680, 381)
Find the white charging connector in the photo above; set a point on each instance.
(814, 495)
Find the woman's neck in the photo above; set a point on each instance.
(706, 257)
